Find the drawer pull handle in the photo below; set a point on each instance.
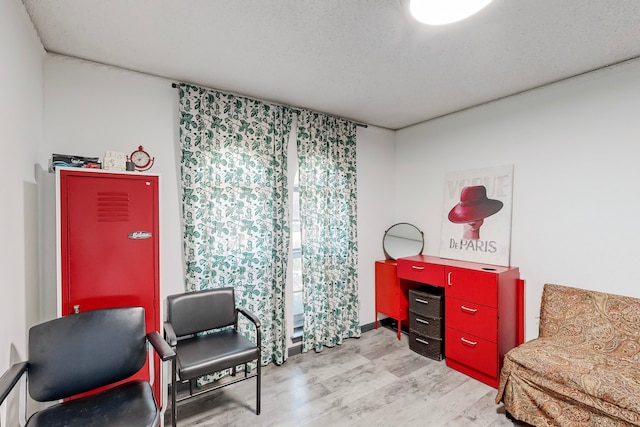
(469, 310)
(449, 279)
(422, 301)
(422, 341)
(422, 321)
(417, 267)
(469, 343)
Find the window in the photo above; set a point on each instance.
(296, 249)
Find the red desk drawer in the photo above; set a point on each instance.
(432, 274)
(472, 285)
(473, 318)
(472, 351)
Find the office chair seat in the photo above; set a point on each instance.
(129, 404)
(204, 354)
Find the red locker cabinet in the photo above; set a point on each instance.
(109, 247)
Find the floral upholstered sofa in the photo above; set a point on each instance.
(584, 367)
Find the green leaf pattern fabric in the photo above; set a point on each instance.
(328, 201)
(233, 168)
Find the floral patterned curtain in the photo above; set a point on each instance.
(235, 204)
(328, 197)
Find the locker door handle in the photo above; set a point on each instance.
(76, 309)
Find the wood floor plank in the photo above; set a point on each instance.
(375, 380)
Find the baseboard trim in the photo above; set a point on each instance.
(387, 322)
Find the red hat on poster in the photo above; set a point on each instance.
(474, 205)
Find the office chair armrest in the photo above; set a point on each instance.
(161, 346)
(166, 353)
(10, 378)
(249, 315)
(170, 334)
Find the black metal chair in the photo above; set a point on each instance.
(75, 354)
(198, 329)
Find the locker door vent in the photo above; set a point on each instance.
(113, 206)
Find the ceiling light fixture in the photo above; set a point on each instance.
(440, 12)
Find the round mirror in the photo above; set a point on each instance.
(401, 240)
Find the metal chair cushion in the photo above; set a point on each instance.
(214, 352)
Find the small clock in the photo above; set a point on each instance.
(141, 159)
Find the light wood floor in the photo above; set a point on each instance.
(375, 380)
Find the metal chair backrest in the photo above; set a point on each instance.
(199, 311)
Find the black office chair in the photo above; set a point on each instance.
(81, 352)
(221, 347)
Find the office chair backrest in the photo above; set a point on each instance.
(80, 352)
(199, 311)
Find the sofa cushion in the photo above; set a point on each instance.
(607, 323)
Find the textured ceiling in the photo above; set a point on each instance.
(366, 60)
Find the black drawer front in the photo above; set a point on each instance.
(425, 304)
(428, 326)
(426, 346)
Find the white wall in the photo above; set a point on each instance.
(575, 147)
(375, 162)
(21, 56)
(90, 108)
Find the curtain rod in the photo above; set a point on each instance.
(296, 109)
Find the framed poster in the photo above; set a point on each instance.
(476, 223)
